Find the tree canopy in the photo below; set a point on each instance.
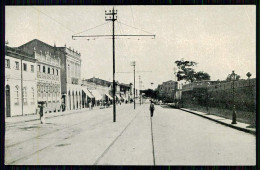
(186, 71)
(229, 77)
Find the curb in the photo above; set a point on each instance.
(64, 114)
(229, 125)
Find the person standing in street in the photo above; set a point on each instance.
(42, 112)
(151, 108)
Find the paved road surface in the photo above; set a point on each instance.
(91, 138)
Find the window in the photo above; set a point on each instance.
(68, 70)
(16, 98)
(7, 63)
(32, 95)
(24, 67)
(53, 71)
(17, 65)
(39, 68)
(25, 96)
(49, 70)
(57, 72)
(43, 69)
(32, 68)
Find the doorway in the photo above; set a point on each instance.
(7, 101)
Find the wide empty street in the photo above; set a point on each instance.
(171, 137)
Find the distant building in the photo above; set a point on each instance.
(100, 89)
(105, 88)
(20, 83)
(125, 91)
(167, 90)
(48, 61)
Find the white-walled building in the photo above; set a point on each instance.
(48, 72)
(20, 83)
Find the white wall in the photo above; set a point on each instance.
(13, 79)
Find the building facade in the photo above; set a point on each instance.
(100, 89)
(70, 79)
(20, 83)
(167, 90)
(125, 91)
(48, 60)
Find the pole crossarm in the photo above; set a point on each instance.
(135, 71)
(82, 36)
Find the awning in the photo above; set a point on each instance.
(87, 92)
(109, 96)
(96, 94)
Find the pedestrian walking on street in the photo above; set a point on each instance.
(42, 112)
(151, 108)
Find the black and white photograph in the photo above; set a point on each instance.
(130, 85)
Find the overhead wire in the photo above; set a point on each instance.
(91, 28)
(132, 13)
(53, 19)
(135, 27)
(124, 43)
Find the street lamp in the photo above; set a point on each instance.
(233, 78)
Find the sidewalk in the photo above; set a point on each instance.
(227, 122)
(34, 117)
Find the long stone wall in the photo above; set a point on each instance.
(218, 99)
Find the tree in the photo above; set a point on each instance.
(229, 77)
(148, 93)
(202, 76)
(248, 75)
(186, 72)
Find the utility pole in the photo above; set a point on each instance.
(140, 85)
(111, 17)
(133, 64)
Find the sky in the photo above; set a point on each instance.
(219, 38)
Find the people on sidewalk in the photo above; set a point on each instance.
(152, 108)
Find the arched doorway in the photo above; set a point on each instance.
(7, 101)
(73, 100)
(69, 101)
(76, 100)
(80, 101)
